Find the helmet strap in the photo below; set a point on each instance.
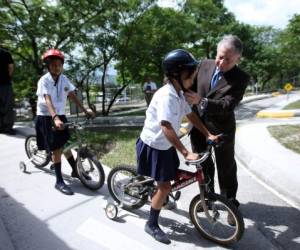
(179, 80)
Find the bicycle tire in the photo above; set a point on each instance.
(39, 158)
(130, 200)
(91, 166)
(219, 207)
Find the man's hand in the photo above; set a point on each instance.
(214, 138)
(192, 97)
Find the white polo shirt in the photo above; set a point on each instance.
(58, 93)
(166, 105)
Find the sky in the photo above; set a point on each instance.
(264, 12)
(258, 12)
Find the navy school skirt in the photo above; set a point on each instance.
(47, 138)
(161, 165)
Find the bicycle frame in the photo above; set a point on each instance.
(185, 178)
(78, 142)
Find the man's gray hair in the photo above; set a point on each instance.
(232, 41)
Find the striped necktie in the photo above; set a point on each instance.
(215, 78)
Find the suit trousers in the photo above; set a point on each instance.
(225, 163)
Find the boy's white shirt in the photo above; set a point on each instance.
(58, 93)
(166, 105)
(151, 84)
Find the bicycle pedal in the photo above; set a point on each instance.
(143, 191)
(177, 195)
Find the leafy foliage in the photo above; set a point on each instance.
(136, 34)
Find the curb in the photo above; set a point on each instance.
(278, 113)
(269, 166)
(256, 98)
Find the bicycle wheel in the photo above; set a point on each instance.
(215, 226)
(39, 158)
(90, 171)
(123, 186)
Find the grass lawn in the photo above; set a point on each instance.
(287, 135)
(293, 105)
(114, 148)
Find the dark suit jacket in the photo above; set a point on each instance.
(219, 114)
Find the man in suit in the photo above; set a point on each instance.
(219, 87)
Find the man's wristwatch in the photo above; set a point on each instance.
(203, 104)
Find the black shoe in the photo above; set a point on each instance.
(85, 175)
(234, 202)
(157, 233)
(62, 187)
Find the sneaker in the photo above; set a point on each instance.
(65, 189)
(231, 220)
(85, 175)
(157, 233)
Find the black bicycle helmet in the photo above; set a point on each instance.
(178, 60)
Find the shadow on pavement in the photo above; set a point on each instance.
(279, 224)
(176, 230)
(25, 230)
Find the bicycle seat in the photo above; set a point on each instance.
(203, 156)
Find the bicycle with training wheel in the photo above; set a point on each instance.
(208, 211)
(86, 162)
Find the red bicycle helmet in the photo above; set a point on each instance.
(53, 53)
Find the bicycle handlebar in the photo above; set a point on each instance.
(77, 124)
(204, 156)
(206, 153)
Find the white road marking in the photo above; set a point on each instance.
(272, 190)
(99, 232)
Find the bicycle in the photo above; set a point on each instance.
(86, 162)
(208, 211)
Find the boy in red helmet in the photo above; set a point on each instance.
(53, 90)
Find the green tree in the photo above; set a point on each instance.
(146, 40)
(211, 20)
(31, 27)
(260, 55)
(289, 47)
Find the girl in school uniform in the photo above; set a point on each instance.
(53, 90)
(157, 144)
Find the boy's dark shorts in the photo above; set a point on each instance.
(48, 138)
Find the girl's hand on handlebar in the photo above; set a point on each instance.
(191, 156)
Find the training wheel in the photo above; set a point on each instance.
(111, 211)
(22, 166)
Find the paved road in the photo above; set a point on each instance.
(38, 217)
